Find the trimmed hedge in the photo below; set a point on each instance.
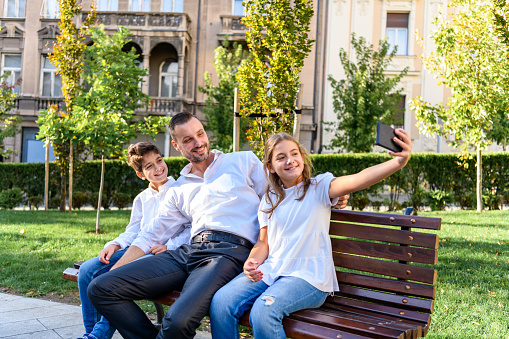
(118, 177)
(425, 172)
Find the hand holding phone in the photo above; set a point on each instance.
(384, 137)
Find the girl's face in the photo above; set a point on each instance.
(287, 163)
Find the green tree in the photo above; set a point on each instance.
(9, 125)
(278, 40)
(67, 56)
(365, 97)
(219, 103)
(104, 112)
(472, 62)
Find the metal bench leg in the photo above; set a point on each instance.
(160, 315)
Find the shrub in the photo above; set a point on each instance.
(359, 202)
(11, 198)
(35, 201)
(466, 200)
(93, 200)
(54, 203)
(120, 199)
(376, 205)
(491, 201)
(438, 199)
(79, 199)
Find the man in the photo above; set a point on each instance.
(219, 194)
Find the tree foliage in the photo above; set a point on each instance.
(278, 40)
(220, 99)
(9, 124)
(365, 97)
(104, 112)
(472, 62)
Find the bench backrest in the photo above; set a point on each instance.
(381, 263)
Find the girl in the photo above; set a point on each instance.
(291, 268)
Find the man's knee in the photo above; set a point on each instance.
(178, 322)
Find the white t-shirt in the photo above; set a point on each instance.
(225, 199)
(298, 235)
(145, 208)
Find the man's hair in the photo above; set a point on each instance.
(179, 119)
(137, 151)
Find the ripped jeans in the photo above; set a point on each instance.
(269, 305)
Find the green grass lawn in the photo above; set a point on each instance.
(473, 263)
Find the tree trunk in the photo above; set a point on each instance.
(46, 178)
(479, 180)
(71, 170)
(62, 193)
(97, 228)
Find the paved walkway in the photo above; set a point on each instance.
(23, 318)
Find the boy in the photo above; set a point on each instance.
(145, 158)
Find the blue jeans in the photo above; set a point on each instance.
(96, 327)
(269, 305)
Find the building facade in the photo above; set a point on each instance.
(175, 40)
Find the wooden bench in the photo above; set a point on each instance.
(387, 288)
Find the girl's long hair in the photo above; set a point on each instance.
(275, 185)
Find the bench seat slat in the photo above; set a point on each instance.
(387, 219)
(382, 309)
(389, 285)
(410, 329)
(304, 330)
(374, 233)
(387, 268)
(340, 309)
(382, 298)
(70, 274)
(386, 251)
(167, 299)
(361, 328)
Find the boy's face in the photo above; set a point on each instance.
(154, 169)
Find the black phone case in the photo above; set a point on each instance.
(384, 135)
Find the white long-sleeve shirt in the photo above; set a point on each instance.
(225, 199)
(145, 208)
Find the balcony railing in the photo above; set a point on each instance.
(232, 25)
(174, 21)
(32, 106)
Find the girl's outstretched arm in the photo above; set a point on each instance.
(257, 256)
(371, 175)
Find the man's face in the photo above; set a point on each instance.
(192, 141)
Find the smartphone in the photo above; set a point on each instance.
(384, 137)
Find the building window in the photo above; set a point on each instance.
(33, 150)
(140, 5)
(169, 79)
(107, 5)
(51, 82)
(11, 65)
(397, 32)
(49, 9)
(176, 6)
(238, 8)
(14, 8)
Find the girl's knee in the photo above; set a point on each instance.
(265, 310)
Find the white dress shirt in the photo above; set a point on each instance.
(145, 208)
(298, 235)
(225, 199)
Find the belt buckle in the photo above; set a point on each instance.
(204, 235)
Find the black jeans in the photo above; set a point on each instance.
(198, 270)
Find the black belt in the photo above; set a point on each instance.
(218, 236)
